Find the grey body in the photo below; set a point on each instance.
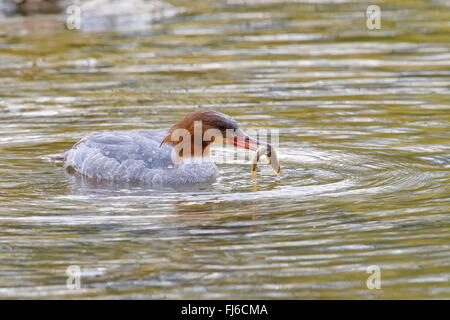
(134, 156)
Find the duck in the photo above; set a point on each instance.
(179, 155)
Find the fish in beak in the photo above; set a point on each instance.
(271, 159)
(242, 140)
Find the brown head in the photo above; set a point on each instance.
(203, 127)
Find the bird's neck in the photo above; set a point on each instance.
(196, 153)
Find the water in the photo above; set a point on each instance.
(364, 150)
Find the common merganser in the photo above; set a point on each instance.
(153, 156)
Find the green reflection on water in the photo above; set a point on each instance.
(364, 148)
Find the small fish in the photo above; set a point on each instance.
(271, 159)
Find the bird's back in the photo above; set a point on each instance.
(132, 156)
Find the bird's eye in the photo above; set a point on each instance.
(221, 126)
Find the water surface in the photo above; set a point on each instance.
(364, 148)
